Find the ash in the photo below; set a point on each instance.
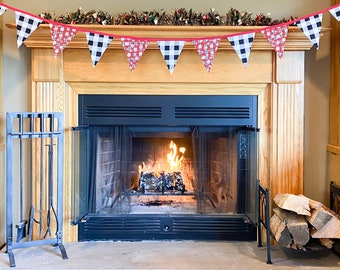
(163, 204)
(159, 203)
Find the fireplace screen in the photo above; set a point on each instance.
(125, 170)
(164, 166)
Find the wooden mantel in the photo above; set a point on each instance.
(278, 83)
(41, 38)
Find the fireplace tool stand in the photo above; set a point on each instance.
(264, 219)
(34, 181)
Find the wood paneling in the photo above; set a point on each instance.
(287, 139)
(334, 104)
(45, 66)
(2, 122)
(334, 119)
(280, 98)
(151, 68)
(289, 69)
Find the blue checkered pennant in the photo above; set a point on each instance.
(311, 27)
(26, 25)
(335, 12)
(171, 51)
(97, 43)
(242, 46)
(2, 10)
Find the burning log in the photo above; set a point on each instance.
(295, 223)
(179, 185)
(164, 181)
(149, 181)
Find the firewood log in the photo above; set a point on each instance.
(325, 221)
(295, 203)
(330, 230)
(314, 204)
(319, 217)
(297, 226)
(326, 242)
(280, 231)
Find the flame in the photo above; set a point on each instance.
(141, 168)
(174, 158)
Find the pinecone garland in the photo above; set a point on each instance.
(166, 19)
(236, 18)
(179, 16)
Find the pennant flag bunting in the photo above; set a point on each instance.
(61, 36)
(171, 51)
(134, 50)
(26, 25)
(207, 48)
(276, 36)
(134, 47)
(97, 44)
(311, 27)
(242, 46)
(2, 9)
(335, 12)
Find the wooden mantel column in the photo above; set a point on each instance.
(334, 105)
(287, 125)
(278, 83)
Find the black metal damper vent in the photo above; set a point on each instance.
(213, 112)
(123, 112)
(168, 110)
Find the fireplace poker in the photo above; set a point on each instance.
(21, 227)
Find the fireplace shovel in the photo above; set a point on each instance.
(21, 227)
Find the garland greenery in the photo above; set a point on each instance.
(179, 16)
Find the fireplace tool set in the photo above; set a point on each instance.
(34, 181)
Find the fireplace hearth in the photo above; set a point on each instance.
(165, 167)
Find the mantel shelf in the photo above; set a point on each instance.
(41, 37)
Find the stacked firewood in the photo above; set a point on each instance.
(297, 220)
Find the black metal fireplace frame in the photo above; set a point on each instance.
(168, 113)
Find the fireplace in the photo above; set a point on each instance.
(278, 84)
(165, 167)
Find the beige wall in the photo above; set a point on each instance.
(16, 69)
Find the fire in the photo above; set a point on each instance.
(175, 156)
(174, 160)
(155, 177)
(141, 168)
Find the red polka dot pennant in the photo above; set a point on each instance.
(134, 50)
(276, 36)
(207, 48)
(61, 36)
